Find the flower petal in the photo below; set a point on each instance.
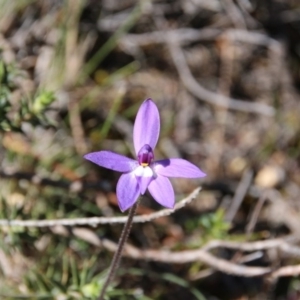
(127, 191)
(143, 175)
(111, 160)
(146, 126)
(177, 167)
(162, 191)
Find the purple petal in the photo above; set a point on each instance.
(111, 160)
(144, 175)
(143, 183)
(162, 191)
(177, 167)
(127, 191)
(146, 126)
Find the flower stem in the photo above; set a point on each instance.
(118, 254)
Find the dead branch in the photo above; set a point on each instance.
(234, 14)
(219, 264)
(239, 195)
(200, 92)
(187, 256)
(184, 36)
(203, 255)
(181, 36)
(283, 244)
(254, 216)
(208, 259)
(93, 221)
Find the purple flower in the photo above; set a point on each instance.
(144, 172)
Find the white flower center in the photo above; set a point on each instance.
(141, 171)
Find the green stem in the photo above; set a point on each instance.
(118, 254)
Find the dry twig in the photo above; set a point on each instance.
(282, 243)
(93, 221)
(183, 36)
(255, 213)
(210, 97)
(186, 35)
(203, 254)
(219, 264)
(239, 195)
(234, 13)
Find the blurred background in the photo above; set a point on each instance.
(225, 75)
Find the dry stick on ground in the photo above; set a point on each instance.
(231, 212)
(234, 14)
(187, 256)
(181, 35)
(283, 244)
(254, 216)
(286, 271)
(93, 221)
(270, 283)
(208, 259)
(200, 92)
(239, 195)
(202, 254)
(186, 35)
(234, 207)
